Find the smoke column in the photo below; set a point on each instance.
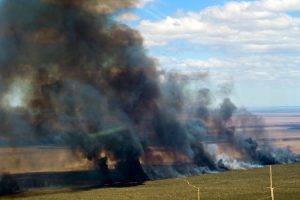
(71, 75)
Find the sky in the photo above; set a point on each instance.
(252, 46)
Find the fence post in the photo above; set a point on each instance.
(271, 183)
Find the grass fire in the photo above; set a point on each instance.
(83, 105)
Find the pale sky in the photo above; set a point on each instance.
(252, 45)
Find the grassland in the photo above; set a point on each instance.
(233, 185)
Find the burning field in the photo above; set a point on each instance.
(73, 77)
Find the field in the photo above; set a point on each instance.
(234, 185)
(282, 129)
(40, 159)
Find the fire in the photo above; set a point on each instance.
(160, 156)
(111, 161)
(87, 84)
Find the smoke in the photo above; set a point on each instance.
(8, 185)
(226, 162)
(71, 75)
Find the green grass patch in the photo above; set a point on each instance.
(233, 185)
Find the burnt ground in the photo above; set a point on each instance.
(126, 174)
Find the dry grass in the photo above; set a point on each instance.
(41, 159)
(234, 185)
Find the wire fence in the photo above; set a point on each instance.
(198, 188)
